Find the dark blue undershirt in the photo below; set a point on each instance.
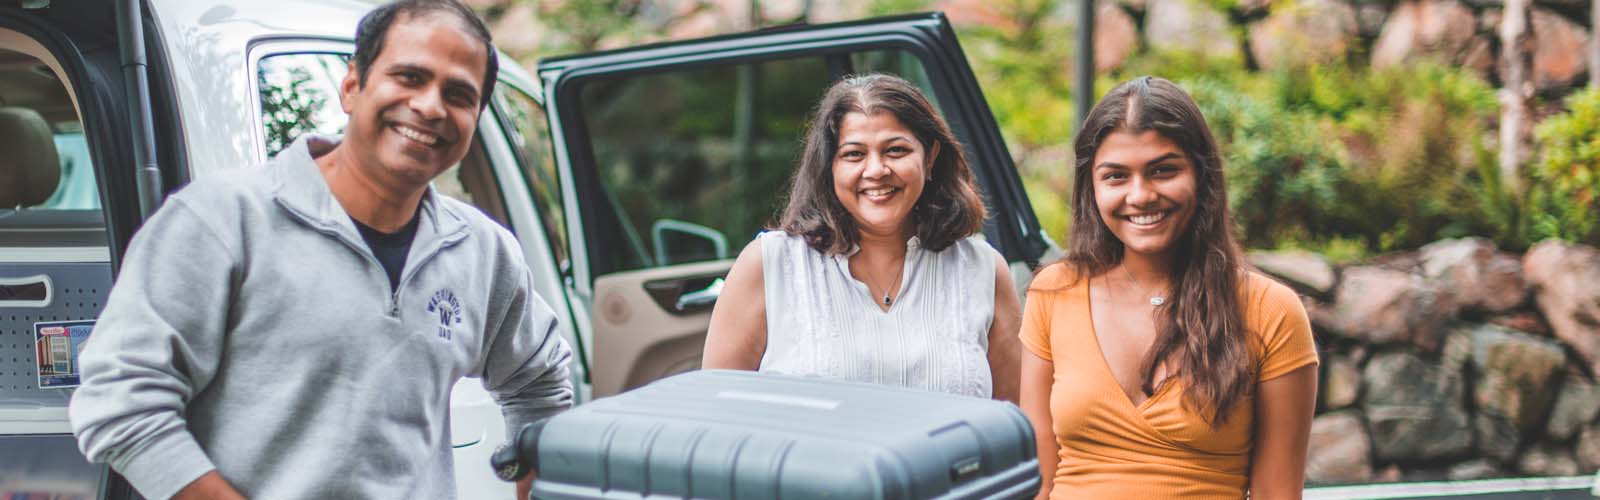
(390, 248)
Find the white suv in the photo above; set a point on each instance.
(629, 176)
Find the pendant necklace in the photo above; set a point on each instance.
(1155, 300)
(890, 286)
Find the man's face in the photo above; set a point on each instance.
(415, 115)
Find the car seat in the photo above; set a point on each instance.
(30, 168)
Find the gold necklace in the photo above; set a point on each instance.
(1155, 300)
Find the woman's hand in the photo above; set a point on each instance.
(737, 336)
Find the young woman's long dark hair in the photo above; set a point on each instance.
(1200, 330)
(948, 210)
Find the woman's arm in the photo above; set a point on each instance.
(1038, 374)
(1284, 406)
(737, 336)
(1004, 347)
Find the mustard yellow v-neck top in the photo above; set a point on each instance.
(1111, 449)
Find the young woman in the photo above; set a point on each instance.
(875, 274)
(1158, 365)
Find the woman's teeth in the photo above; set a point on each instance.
(880, 191)
(1147, 219)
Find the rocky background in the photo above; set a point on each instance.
(1455, 361)
(1272, 34)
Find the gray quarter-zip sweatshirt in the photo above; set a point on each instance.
(251, 331)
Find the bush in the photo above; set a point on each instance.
(1566, 178)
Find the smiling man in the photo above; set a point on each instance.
(294, 330)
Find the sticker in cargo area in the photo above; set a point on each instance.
(58, 344)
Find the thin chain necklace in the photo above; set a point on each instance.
(897, 274)
(1155, 300)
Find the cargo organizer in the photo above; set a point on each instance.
(743, 435)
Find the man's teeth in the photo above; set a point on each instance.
(879, 191)
(416, 135)
(1147, 218)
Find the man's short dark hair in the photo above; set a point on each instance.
(374, 28)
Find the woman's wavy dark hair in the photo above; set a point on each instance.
(1201, 326)
(948, 210)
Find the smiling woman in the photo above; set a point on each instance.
(875, 274)
(1158, 365)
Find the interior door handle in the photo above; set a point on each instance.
(700, 298)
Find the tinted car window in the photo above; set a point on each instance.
(530, 133)
(51, 196)
(691, 164)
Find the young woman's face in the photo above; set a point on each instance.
(879, 171)
(1144, 187)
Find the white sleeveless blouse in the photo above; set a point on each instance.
(823, 322)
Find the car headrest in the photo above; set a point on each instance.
(29, 165)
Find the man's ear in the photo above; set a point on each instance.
(348, 88)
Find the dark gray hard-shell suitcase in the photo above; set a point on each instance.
(732, 434)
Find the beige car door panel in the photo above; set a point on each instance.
(651, 323)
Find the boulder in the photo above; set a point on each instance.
(1576, 406)
(1525, 321)
(1385, 306)
(1545, 459)
(1563, 277)
(1339, 450)
(1481, 468)
(1341, 385)
(1588, 449)
(1414, 409)
(1480, 57)
(1475, 273)
(1517, 375)
(1558, 49)
(1115, 36)
(1304, 33)
(1189, 26)
(1299, 269)
(1439, 29)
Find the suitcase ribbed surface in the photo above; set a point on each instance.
(743, 435)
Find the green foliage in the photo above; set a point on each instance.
(1566, 179)
(289, 109)
(1283, 177)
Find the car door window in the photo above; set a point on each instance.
(530, 133)
(690, 164)
(299, 94)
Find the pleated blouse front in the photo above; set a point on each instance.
(823, 322)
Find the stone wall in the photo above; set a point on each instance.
(1455, 361)
(1381, 33)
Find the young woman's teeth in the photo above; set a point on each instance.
(416, 135)
(1147, 219)
(879, 191)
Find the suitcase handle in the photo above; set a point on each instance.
(517, 456)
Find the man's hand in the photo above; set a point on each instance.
(210, 486)
(525, 486)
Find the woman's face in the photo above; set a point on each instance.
(1144, 187)
(879, 171)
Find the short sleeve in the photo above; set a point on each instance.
(1042, 294)
(1285, 330)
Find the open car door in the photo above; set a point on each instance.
(678, 154)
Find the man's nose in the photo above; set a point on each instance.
(428, 104)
